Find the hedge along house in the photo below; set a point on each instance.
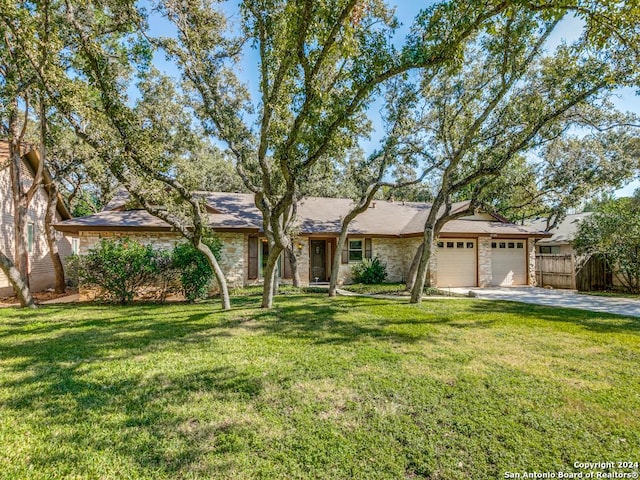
(41, 272)
(478, 250)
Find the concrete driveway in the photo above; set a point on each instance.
(562, 298)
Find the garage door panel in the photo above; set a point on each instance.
(456, 263)
(508, 262)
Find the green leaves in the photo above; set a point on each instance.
(120, 268)
(195, 272)
(613, 231)
(370, 271)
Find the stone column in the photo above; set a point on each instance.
(531, 261)
(485, 276)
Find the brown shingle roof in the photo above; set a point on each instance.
(316, 215)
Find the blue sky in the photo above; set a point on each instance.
(626, 99)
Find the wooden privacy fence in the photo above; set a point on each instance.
(556, 270)
(562, 271)
(594, 274)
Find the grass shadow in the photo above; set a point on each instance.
(68, 372)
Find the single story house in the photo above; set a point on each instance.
(477, 250)
(41, 273)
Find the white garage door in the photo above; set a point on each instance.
(509, 262)
(456, 262)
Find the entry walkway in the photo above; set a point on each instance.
(558, 298)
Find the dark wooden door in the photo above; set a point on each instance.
(318, 272)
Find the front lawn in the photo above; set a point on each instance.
(317, 388)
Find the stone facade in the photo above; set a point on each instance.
(396, 253)
(531, 261)
(302, 257)
(485, 275)
(433, 266)
(232, 258)
(159, 240)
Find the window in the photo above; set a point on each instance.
(356, 250)
(494, 245)
(460, 245)
(469, 244)
(512, 245)
(502, 245)
(449, 244)
(440, 244)
(30, 238)
(75, 246)
(549, 249)
(520, 245)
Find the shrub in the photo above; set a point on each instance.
(195, 272)
(167, 276)
(120, 268)
(73, 268)
(370, 271)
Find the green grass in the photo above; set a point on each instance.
(376, 289)
(394, 289)
(316, 388)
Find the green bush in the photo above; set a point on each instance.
(370, 271)
(120, 268)
(73, 269)
(196, 274)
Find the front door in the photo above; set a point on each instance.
(318, 261)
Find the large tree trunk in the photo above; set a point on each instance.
(270, 285)
(418, 287)
(337, 256)
(222, 282)
(17, 282)
(21, 254)
(295, 274)
(52, 203)
(413, 269)
(50, 234)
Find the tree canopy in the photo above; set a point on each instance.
(475, 86)
(613, 232)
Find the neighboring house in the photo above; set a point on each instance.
(478, 250)
(41, 274)
(559, 266)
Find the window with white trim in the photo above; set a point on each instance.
(75, 246)
(356, 250)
